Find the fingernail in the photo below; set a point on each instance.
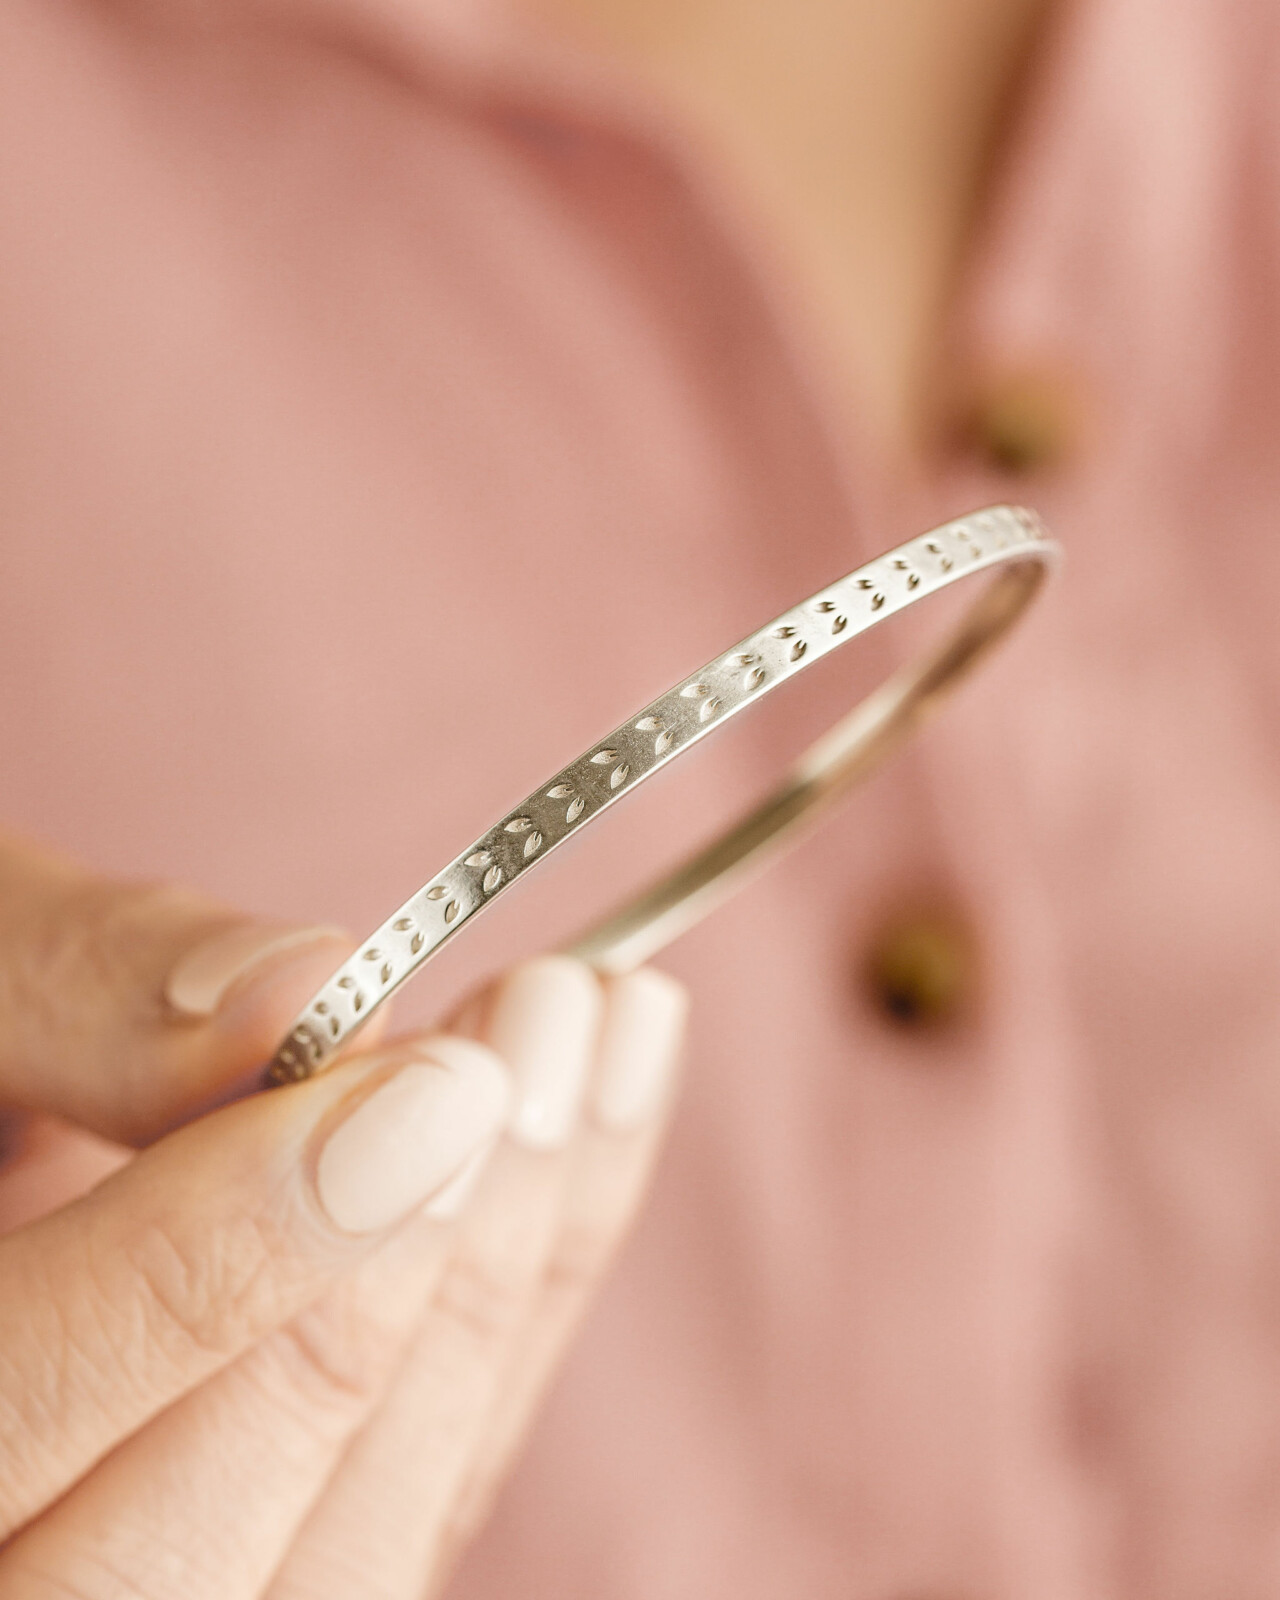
(448, 1202)
(639, 1047)
(543, 1024)
(416, 1131)
(201, 979)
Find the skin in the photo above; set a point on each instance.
(861, 134)
(185, 1345)
(192, 1345)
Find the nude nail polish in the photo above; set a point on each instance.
(203, 976)
(410, 1137)
(639, 1048)
(543, 1024)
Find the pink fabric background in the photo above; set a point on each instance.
(386, 410)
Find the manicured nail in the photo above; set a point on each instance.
(450, 1201)
(201, 979)
(543, 1024)
(639, 1047)
(412, 1135)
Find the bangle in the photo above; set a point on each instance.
(1006, 538)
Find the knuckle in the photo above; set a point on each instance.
(199, 1297)
(481, 1299)
(333, 1361)
(579, 1259)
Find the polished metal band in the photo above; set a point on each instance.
(1005, 537)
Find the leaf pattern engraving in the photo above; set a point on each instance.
(602, 758)
(405, 924)
(480, 858)
(619, 775)
(753, 679)
(492, 879)
(648, 724)
(877, 600)
(839, 624)
(385, 974)
(694, 691)
(708, 708)
(519, 824)
(576, 807)
(532, 844)
(417, 942)
(663, 742)
(437, 893)
(559, 791)
(451, 911)
(798, 649)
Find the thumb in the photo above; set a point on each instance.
(213, 1238)
(126, 1008)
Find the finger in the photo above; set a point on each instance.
(613, 1162)
(250, 1449)
(374, 1529)
(126, 1007)
(408, 1469)
(127, 1299)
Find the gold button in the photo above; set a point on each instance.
(920, 970)
(1023, 423)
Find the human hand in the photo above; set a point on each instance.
(290, 1348)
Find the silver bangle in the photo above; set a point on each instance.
(1005, 537)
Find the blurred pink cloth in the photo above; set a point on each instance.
(390, 405)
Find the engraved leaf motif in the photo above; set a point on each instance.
(877, 600)
(746, 659)
(416, 943)
(619, 776)
(865, 583)
(357, 1000)
(451, 911)
(480, 858)
(385, 974)
(694, 691)
(559, 791)
(785, 632)
(753, 679)
(602, 758)
(519, 824)
(798, 649)
(663, 742)
(532, 844)
(576, 807)
(648, 724)
(839, 624)
(335, 1027)
(405, 924)
(437, 893)
(825, 606)
(492, 879)
(913, 580)
(346, 982)
(708, 708)
(373, 955)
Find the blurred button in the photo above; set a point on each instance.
(921, 969)
(1024, 423)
